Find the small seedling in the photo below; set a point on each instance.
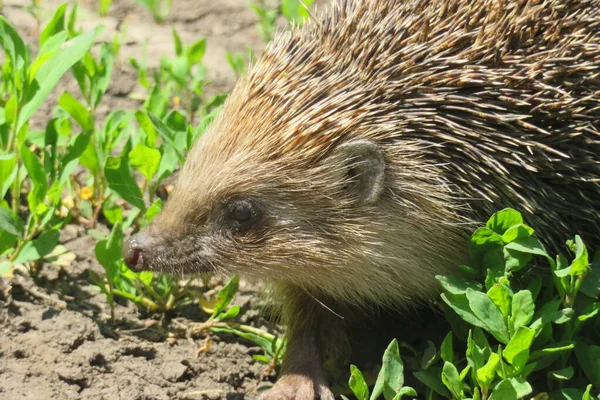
(158, 8)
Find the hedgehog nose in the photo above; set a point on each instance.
(133, 251)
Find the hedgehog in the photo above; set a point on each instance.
(351, 162)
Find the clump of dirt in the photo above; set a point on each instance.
(56, 338)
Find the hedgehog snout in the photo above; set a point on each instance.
(134, 250)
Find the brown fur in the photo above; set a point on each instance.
(476, 105)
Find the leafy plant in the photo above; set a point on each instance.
(522, 335)
(158, 8)
(221, 320)
(390, 380)
(104, 7)
(294, 11)
(238, 61)
(266, 19)
(29, 159)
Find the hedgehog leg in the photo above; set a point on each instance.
(302, 376)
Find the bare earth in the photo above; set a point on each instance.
(56, 341)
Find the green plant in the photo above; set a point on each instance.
(294, 11)
(516, 335)
(390, 380)
(239, 62)
(104, 7)
(221, 320)
(180, 79)
(35, 160)
(266, 19)
(158, 8)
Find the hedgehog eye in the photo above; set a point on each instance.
(242, 212)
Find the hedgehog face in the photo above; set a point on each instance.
(250, 215)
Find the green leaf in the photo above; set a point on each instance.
(180, 70)
(196, 52)
(146, 277)
(447, 349)
(429, 355)
(457, 284)
(501, 221)
(460, 304)
(551, 350)
(52, 70)
(8, 172)
(153, 210)
(225, 295)
(489, 314)
(56, 24)
(144, 122)
(13, 45)
(517, 350)
(482, 242)
(112, 212)
(262, 359)
(9, 223)
(432, 379)
(451, 379)
(38, 177)
(588, 393)
(580, 263)
(588, 357)
(529, 245)
(391, 376)
(515, 232)
(521, 386)
(294, 12)
(563, 316)
(157, 102)
(405, 391)
(74, 151)
(38, 248)
(71, 21)
(109, 252)
(177, 42)
(103, 74)
(522, 309)
(545, 314)
(145, 160)
(357, 384)
(77, 111)
(501, 297)
(591, 284)
(486, 374)
(231, 312)
(562, 374)
(167, 135)
(590, 311)
(121, 181)
(504, 391)
(515, 260)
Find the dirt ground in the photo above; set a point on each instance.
(56, 341)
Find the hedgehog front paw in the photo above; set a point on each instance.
(298, 387)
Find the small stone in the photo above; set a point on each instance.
(174, 371)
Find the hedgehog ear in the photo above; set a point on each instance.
(364, 169)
